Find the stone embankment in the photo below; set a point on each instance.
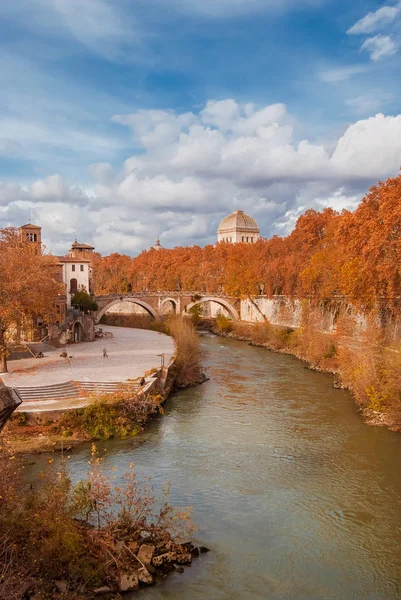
(49, 416)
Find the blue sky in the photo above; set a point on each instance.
(124, 120)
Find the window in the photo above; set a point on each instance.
(73, 286)
(247, 239)
(72, 267)
(251, 240)
(82, 267)
(243, 238)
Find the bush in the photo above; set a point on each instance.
(188, 354)
(196, 314)
(224, 324)
(52, 530)
(83, 301)
(116, 415)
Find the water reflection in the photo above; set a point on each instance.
(297, 498)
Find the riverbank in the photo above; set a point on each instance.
(60, 540)
(367, 368)
(122, 413)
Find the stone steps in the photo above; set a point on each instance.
(36, 347)
(72, 390)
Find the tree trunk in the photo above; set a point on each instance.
(3, 351)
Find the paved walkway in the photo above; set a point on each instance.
(131, 352)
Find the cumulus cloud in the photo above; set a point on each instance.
(380, 46)
(194, 168)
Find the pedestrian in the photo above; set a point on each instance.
(105, 355)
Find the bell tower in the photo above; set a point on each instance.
(31, 234)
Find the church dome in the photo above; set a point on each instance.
(238, 227)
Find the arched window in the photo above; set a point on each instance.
(243, 238)
(73, 286)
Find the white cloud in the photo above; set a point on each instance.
(371, 146)
(380, 46)
(204, 165)
(155, 127)
(368, 103)
(102, 26)
(337, 74)
(375, 20)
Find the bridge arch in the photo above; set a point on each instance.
(144, 305)
(232, 311)
(169, 302)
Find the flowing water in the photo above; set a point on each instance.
(295, 496)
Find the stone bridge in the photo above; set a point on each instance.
(161, 303)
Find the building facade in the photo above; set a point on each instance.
(76, 276)
(238, 228)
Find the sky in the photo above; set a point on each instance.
(126, 120)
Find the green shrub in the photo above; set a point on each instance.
(224, 324)
(83, 301)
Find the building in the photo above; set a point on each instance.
(84, 252)
(81, 250)
(76, 275)
(158, 245)
(32, 234)
(238, 228)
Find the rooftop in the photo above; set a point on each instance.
(83, 246)
(239, 220)
(29, 226)
(70, 259)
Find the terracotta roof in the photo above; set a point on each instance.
(238, 220)
(85, 246)
(30, 226)
(70, 259)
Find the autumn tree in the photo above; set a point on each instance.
(28, 286)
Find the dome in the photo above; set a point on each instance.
(239, 220)
(238, 227)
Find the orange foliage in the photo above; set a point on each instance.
(328, 253)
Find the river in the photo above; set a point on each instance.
(296, 497)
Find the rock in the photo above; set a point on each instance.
(128, 582)
(61, 585)
(179, 569)
(163, 559)
(195, 552)
(184, 559)
(101, 591)
(133, 546)
(145, 554)
(204, 549)
(63, 355)
(144, 576)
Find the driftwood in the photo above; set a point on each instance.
(9, 401)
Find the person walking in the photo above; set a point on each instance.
(105, 355)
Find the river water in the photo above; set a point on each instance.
(295, 496)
